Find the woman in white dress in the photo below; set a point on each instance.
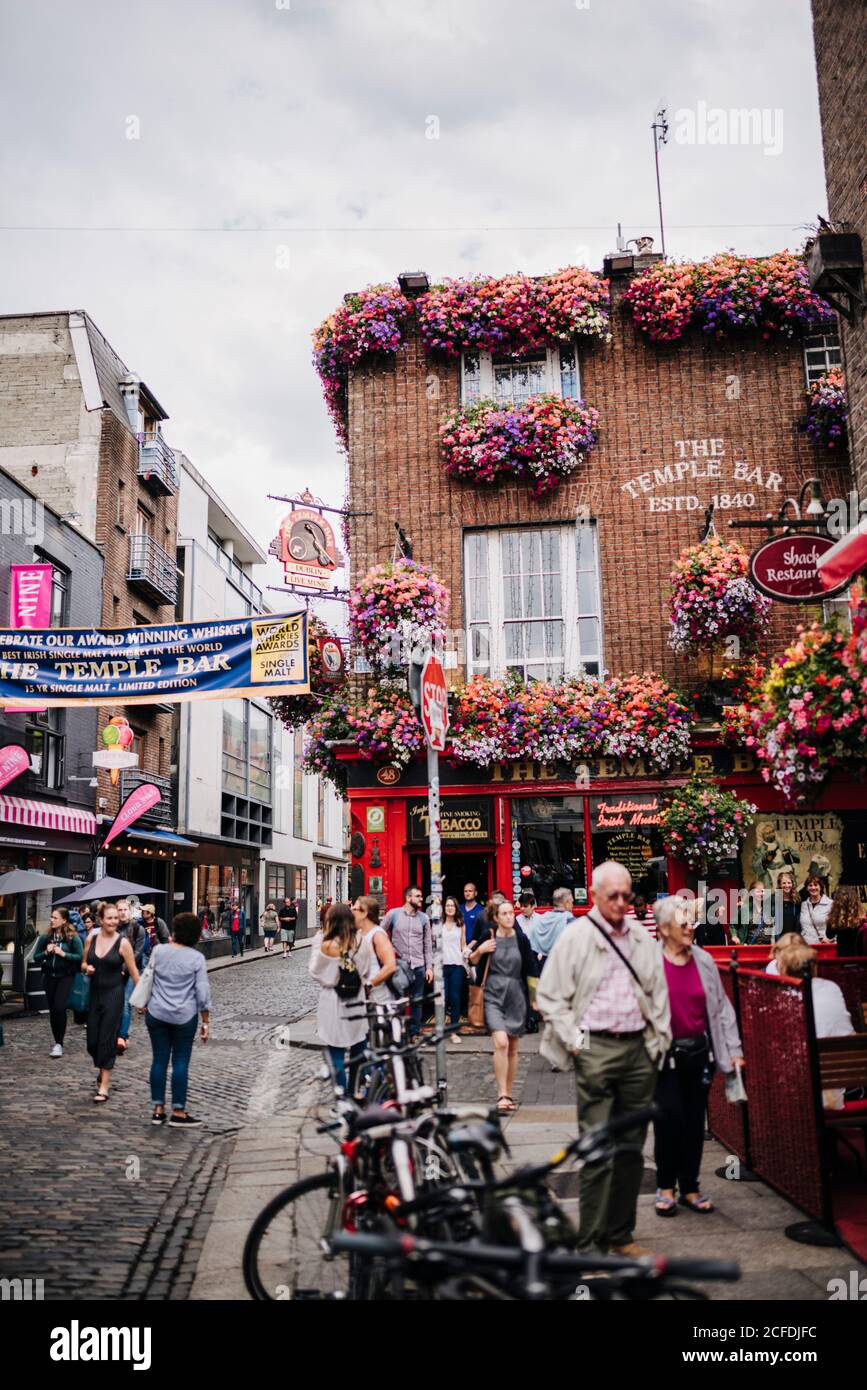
(341, 1022)
(383, 961)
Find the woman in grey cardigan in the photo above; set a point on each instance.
(704, 1035)
(179, 995)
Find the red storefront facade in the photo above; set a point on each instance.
(545, 819)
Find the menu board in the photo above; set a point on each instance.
(632, 850)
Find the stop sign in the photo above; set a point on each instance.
(434, 704)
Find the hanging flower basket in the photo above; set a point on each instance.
(826, 411)
(395, 607)
(369, 323)
(727, 294)
(383, 726)
(541, 441)
(624, 717)
(713, 600)
(702, 825)
(809, 716)
(515, 314)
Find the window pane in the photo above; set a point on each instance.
(568, 374)
(531, 551)
(552, 595)
(550, 549)
(511, 552)
(480, 646)
(513, 633)
(588, 636)
(234, 746)
(512, 597)
(478, 597)
(586, 591)
(471, 377)
(532, 596)
(553, 638)
(551, 832)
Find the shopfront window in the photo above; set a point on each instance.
(217, 887)
(260, 754)
(298, 785)
(550, 830)
(625, 827)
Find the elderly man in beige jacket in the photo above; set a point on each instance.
(612, 1021)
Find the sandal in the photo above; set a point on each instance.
(508, 1107)
(100, 1098)
(665, 1206)
(703, 1205)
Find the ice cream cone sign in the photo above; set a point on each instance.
(117, 740)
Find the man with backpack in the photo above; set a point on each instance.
(410, 932)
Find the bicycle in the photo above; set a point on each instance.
(385, 1158)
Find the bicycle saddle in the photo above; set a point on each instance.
(373, 1116)
(478, 1138)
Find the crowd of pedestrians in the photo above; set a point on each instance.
(119, 957)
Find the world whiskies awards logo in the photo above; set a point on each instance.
(77, 1343)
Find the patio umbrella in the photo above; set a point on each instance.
(28, 881)
(107, 888)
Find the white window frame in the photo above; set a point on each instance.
(573, 663)
(552, 372)
(826, 344)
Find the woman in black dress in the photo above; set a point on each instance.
(107, 958)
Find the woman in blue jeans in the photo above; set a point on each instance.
(180, 993)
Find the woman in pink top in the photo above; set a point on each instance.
(704, 1031)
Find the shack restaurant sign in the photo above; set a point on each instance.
(787, 569)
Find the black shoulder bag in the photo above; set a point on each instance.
(348, 980)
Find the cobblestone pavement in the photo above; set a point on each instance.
(95, 1200)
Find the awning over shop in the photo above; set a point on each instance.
(47, 815)
(846, 559)
(161, 837)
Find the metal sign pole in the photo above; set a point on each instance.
(436, 915)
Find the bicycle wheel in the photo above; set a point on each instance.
(283, 1254)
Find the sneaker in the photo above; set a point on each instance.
(632, 1251)
(57, 1050)
(183, 1121)
(158, 1117)
(456, 1037)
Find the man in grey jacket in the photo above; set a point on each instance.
(612, 1020)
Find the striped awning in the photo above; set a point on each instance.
(47, 815)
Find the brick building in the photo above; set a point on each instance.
(682, 425)
(840, 36)
(84, 434)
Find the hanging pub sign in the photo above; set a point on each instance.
(786, 568)
(307, 549)
(333, 663)
(65, 667)
(461, 818)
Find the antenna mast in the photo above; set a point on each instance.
(660, 137)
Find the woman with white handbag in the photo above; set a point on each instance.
(172, 992)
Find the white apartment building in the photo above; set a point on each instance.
(263, 829)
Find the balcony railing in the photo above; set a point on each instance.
(152, 569)
(156, 464)
(163, 814)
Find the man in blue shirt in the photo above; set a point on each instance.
(472, 910)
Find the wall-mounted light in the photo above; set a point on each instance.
(413, 283)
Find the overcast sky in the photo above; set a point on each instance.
(299, 130)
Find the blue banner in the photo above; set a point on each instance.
(65, 667)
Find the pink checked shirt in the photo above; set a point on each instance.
(614, 1007)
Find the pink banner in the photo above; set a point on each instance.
(29, 606)
(13, 761)
(138, 801)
